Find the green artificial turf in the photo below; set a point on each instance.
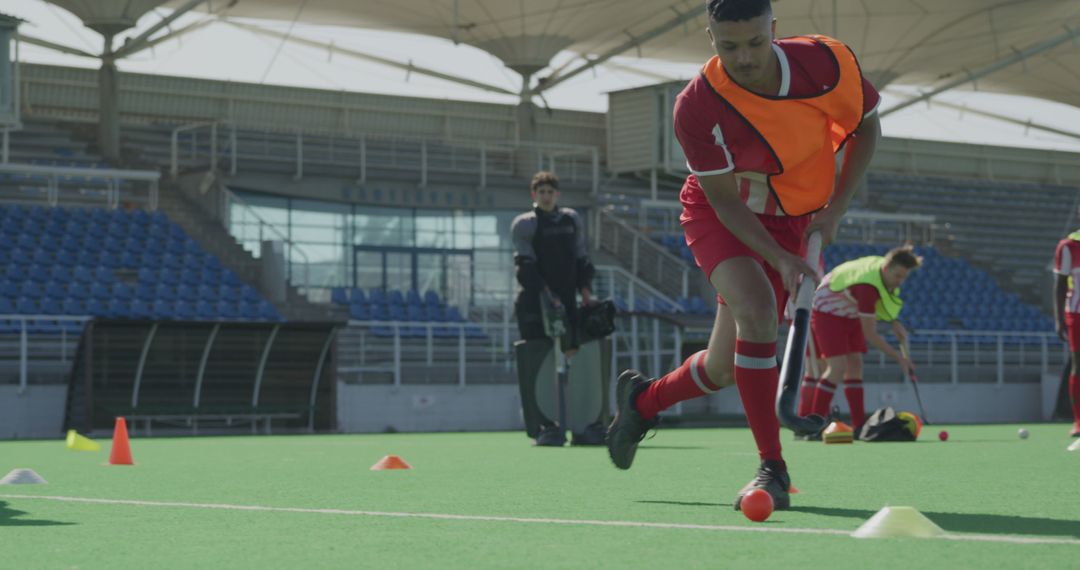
(983, 480)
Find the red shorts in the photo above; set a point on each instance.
(836, 336)
(1072, 323)
(712, 243)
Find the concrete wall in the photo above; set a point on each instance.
(428, 408)
(36, 413)
(476, 408)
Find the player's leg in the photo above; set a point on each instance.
(835, 369)
(814, 367)
(752, 298)
(853, 389)
(639, 400)
(1072, 324)
(536, 373)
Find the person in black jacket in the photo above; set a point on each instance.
(553, 266)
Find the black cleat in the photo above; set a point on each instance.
(773, 477)
(628, 428)
(593, 434)
(551, 435)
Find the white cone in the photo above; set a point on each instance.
(1075, 446)
(898, 522)
(22, 477)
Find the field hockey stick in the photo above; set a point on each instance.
(906, 352)
(791, 371)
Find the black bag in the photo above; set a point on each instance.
(883, 425)
(596, 320)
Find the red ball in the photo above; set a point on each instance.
(943, 435)
(757, 505)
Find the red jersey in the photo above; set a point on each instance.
(716, 139)
(859, 300)
(1067, 263)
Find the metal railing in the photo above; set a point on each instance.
(30, 351)
(647, 259)
(85, 182)
(978, 352)
(654, 344)
(299, 150)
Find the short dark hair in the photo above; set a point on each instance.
(544, 178)
(736, 10)
(903, 256)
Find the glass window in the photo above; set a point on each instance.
(383, 226)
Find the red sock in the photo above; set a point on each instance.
(756, 376)
(1074, 393)
(687, 381)
(854, 393)
(823, 397)
(806, 395)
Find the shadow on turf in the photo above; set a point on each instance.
(647, 446)
(964, 522)
(10, 517)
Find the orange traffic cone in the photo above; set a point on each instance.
(390, 462)
(121, 449)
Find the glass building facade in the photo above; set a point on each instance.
(466, 256)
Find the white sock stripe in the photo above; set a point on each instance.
(826, 388)
(695, 361)
(754, 362)
(809, 383)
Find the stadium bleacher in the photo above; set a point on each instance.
(945, 294)
(114, 264)
(394, 306)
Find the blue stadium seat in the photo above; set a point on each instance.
(121, 291)
(339, 296)
(395, 298)
(9, 289)
(27, 306)
(98, 308)
(165, 292)
(205, 310)
(359, 311)
(249, 311)
(55, 290)
(146, 292)
(413, 298)
(229, 293)
(183, 311)
(140, 309)
(268, 312)
(188, 294)
(431, 298)
(377, 296)
(39, 273)
(104, 275)
(163, 309)
(228, 310)
(50, 306)
(453, 315)
(73, 306)
(249, 294)
(230, 278)
(30, 290)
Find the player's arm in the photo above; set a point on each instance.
(869, 329)
(858, 151)
(900, 332)
(723, 195)
(585, 268)
(527, 270)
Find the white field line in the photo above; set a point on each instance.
(1014, 539)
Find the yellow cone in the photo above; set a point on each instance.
(80, 442)
(893, 522)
